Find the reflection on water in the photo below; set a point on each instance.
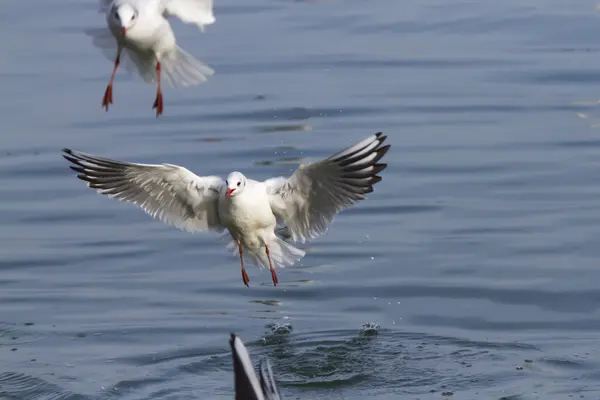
(284, 128)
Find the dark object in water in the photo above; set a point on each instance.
(247, 385)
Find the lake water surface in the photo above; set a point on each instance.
(477, 256)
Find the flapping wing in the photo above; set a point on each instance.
(246, 382)
(308, 200)
(104, 5)
(105, 41)
(267, 381)
(168, 192)
(199, 12)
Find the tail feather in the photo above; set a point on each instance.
(182, 69)
(179, 69)
(282, 253)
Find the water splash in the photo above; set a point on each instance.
(369, 329)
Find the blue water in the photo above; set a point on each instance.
(477, 255)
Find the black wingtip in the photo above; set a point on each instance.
(376, 179)
(70, 158)
(381, 137)
(77, 165)
(378, 168)
(381, 152)
(86, 178)
(384, 149)
(77, 169)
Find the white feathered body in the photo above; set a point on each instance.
(250, 221)
(248, 217)
(152, 39)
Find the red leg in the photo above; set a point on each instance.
(273, 273)
(108, 99)
(244, 274)
(158, 102)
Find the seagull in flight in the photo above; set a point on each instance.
(139, 34)
(257, 218)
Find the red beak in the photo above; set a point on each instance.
(229, 191)
(123, 31)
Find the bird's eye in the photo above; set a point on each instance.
(226, 183)
(133, 17)
(117, 15)
(239, 183)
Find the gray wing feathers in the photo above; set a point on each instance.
(104, 40)
(103, 5)
(167, 192)
(315, 193)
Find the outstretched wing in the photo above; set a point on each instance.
(103, 5)
(106, 42)
(308, 200)
(167, 192)
(199, 12)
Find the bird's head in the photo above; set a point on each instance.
(236, 182)
(125, 16)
